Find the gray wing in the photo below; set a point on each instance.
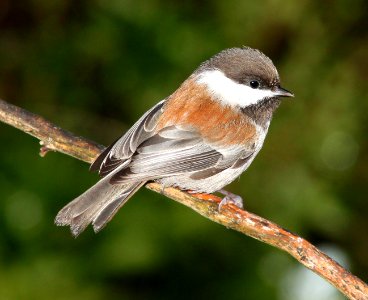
(119, 153)
(174, 151)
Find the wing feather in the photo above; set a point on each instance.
(121, 150)
(157, 166)
(171, 151)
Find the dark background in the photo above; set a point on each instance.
(93, 67)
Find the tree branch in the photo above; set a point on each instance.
(56, 139)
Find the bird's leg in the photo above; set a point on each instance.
(230, 198)
(162, 190)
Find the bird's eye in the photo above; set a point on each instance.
(254, 84)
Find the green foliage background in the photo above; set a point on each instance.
(93, 67)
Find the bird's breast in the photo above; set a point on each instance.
(192, 106)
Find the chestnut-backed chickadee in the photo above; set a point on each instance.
(200, 138)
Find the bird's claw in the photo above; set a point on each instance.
(230, 198)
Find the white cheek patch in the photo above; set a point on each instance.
(230, 92)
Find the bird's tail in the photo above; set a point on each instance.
(97, 205)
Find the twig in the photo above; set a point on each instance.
(54, 138)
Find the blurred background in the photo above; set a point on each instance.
(93, 67)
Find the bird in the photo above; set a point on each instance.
(199, 139)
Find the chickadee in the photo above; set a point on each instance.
(200, 138)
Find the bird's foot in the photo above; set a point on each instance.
(230, 198)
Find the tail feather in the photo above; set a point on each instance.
(104, 215)
(98, 205)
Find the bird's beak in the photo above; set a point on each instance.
(281, 92)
